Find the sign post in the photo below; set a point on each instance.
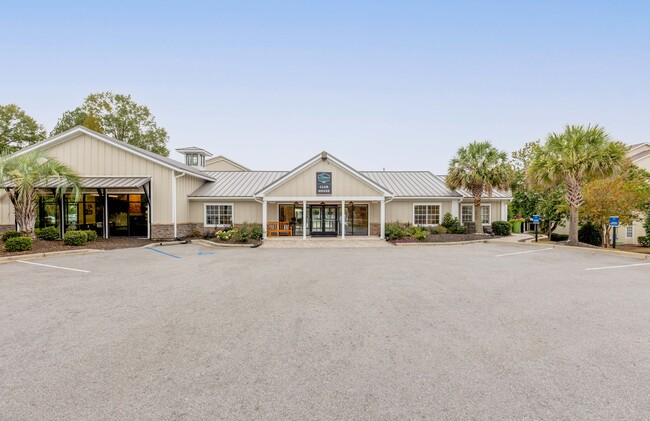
(536, 221)
(613, 222)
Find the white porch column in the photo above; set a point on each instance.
(382, 219)
(504, 211)
(454, 208)
(343, 219)
(264, 218)
(304, 219)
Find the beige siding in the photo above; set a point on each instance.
(304, 184)
(243, 211)
(92, 157)
(184, 186)
(644, 163)
(402, 210)
(220, 164)
(6, 210)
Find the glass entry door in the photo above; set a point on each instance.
(324, 220)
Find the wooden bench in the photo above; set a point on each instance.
(279, 228)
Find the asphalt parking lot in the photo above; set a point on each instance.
(483, 331)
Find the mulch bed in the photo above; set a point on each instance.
(446, 238)
(231, 241)
(42, 246)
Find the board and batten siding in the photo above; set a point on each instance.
(243, 210)
(304, 184)
(220, 165)
(92, 157)
(6, 209)
(402, 210)
(185, 185)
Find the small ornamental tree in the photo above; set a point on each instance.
(22, 174)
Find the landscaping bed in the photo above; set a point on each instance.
(44, 246)
(444, 238)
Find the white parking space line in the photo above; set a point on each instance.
(619, 267)
(51, 266)
(523, 252)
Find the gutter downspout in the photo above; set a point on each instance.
(174, 204)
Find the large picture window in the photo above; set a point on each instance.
(466, 213)
(485, 214)
(218, 214)
(426, 214)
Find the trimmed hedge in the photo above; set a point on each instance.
(644, 241)
(92, 235)
(49, 233)
(10, 234)
(559, 237)
(590, 234)
(501, 228)
(18, 244)
(75, 238)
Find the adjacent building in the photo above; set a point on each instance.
(128, 191)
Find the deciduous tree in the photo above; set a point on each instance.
(17, 129)
(119, 117)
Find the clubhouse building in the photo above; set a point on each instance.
(128, 191)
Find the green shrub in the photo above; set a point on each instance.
(195, 234)
(644, 241)
(438, 230)
(49, 233)
(18, 244)
(452, 224)
(92, 235)
(240, 234)
(420, 234)
(395, 231)
(256, 231)
(75, 238)
(10, 234)
(501, 228)
(559, 237)
(590, 234)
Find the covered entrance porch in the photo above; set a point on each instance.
(342, 218)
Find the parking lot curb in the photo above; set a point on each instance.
(593, 251)
(442, 243)
(212, 244)
(9, 259)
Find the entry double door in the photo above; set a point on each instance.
(323, 220)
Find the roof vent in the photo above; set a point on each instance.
(194, 157)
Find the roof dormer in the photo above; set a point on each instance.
(194, 157)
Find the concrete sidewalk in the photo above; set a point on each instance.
(333, 242)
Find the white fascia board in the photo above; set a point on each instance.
(324, 198)
(76, 130)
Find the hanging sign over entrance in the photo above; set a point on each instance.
(323, 183)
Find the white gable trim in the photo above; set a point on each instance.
(70, 134)
(313, 161)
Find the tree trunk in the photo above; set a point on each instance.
(26, 214)
(574, 198)
(477, 226)
(573, 225)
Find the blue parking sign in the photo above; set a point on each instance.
(536, 219)
(613, 221)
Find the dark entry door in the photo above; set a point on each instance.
(324, 220)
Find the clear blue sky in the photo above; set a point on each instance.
(395, 85)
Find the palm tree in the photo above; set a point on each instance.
(479, 168)
(22, 175)
(570, 159)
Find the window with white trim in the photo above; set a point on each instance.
(218, 215)
(466, 213)
(485, 214)
(629, 232)
(426, 214)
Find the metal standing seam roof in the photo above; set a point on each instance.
(98, 182)
(411, 183)
(236, 183)
(496, 194)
